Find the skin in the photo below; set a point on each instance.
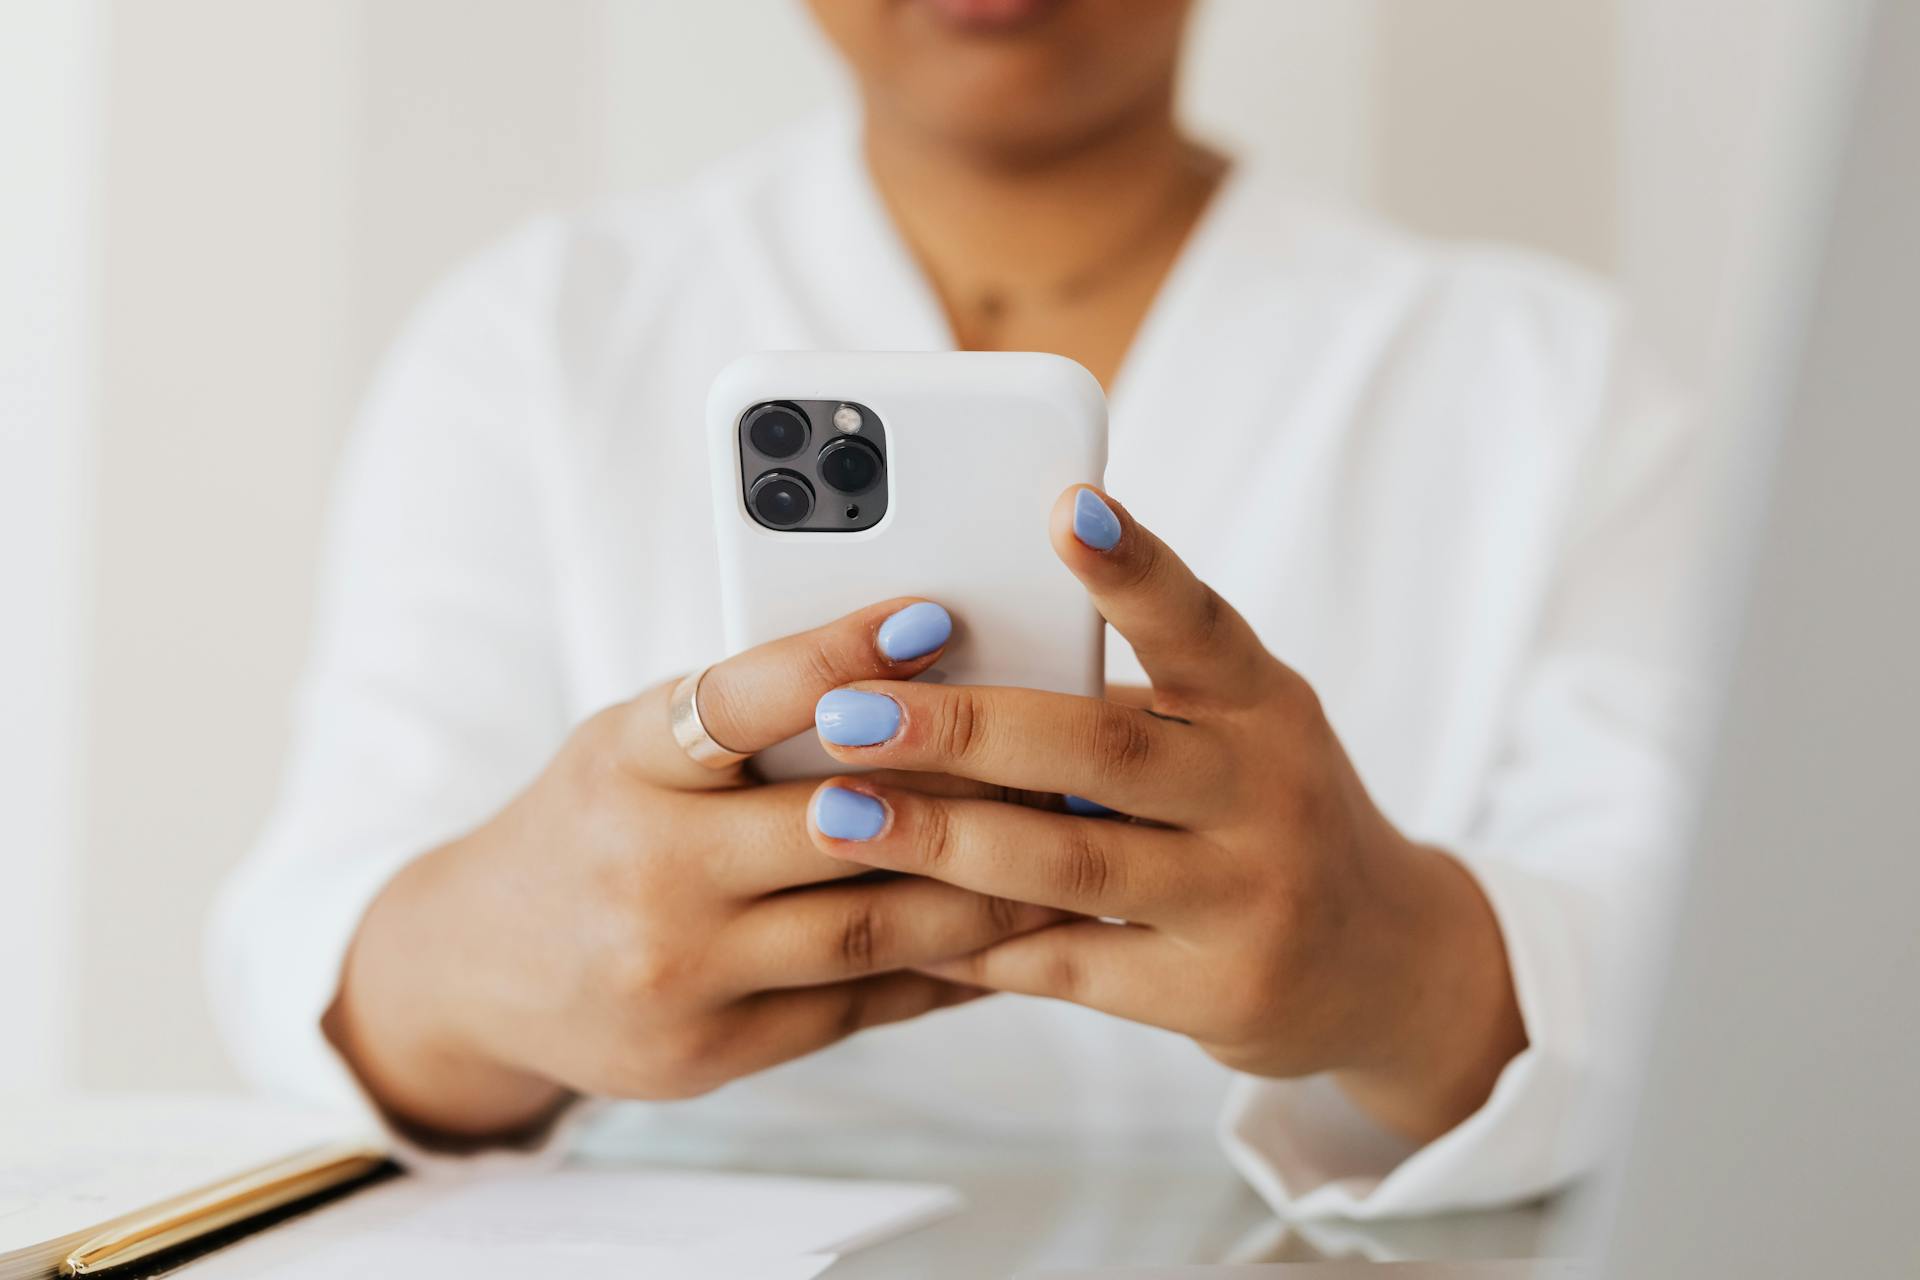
(1011, 157)
(1272, 913)
(637, 926)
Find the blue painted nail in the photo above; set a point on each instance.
(914, 632)
(850, 718)
(848, 815)
(1094, 522)
(1087, 808)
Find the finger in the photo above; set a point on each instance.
(1190, 641)
(958, 788)
(850, 931)
(1123, 970)
(765, 695)
(1082, 865)
(778, 1026)
(1120, 757)
(754, 841)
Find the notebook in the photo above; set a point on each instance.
(81, 1177)
(74, 1169)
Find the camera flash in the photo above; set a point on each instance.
(846, 419)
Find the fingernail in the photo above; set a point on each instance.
(848, 815)
(914, 632)
(850, 718)
(1087, 808)
(1094, 522)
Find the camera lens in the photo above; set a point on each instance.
(777, 430)
(851, 466)
(781, 499)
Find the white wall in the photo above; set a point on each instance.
(227, 365)
(1497, 121)
(51, 72)
(1712, 108)
(282, 180)
(1294, 83)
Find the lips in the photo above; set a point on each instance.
(990, 15)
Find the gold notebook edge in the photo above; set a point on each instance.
(193, 1214)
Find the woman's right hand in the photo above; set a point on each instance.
(638, 925)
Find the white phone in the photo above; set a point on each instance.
(843, 478)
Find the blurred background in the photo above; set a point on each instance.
(215, 213)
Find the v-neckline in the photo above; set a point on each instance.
(899, 295)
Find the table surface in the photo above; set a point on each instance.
(1036, 1205)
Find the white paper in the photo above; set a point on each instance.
(667, 1223)
(68, 1165)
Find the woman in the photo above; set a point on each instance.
(1409, 759)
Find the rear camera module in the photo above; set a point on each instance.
(811, 466)
(849, 465)
(780, 500)
(777, 430)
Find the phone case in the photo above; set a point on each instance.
(978, 446)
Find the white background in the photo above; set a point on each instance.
(216, 212)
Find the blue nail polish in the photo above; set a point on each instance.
(914, 632)
(1094, 522)
(850, 718)
(1087, 808)
(848, 815)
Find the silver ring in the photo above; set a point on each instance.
(683, 714)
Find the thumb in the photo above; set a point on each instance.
(1191, 643)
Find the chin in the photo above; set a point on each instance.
(1007, 75)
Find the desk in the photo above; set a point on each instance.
(1081, 1203)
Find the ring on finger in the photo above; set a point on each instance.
(683, 713)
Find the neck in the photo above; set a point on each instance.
(983, 218)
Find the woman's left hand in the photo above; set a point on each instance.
(1271, 912)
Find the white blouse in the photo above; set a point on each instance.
(1437, 480)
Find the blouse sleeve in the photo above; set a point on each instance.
(432, 691)
(1577, 837)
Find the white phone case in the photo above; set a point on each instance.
(978, 446)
